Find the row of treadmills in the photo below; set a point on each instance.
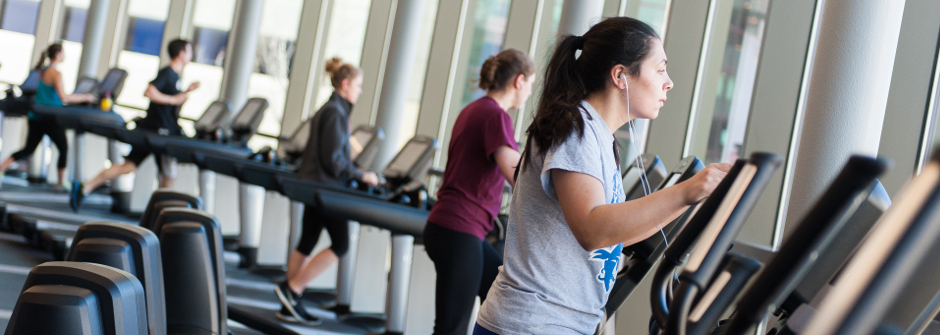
(399, 205)
(855, 264)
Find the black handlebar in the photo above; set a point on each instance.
(819, 227)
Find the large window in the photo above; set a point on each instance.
(280, 20)
(141, 54)
(345, 38)
(728, 82)
(17, 26)
(212, 22)
(19, 15)
(652, 12)
(488, 31)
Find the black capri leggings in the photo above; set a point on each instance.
(314, 222)
(466, 268)
(38, 128)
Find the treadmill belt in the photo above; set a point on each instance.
(254, 295)
(43, 202)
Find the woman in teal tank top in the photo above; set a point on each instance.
(49, 93)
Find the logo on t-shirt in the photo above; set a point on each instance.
(618, 193)
(610, 257)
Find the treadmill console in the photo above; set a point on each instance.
(369, 138)
(212, 121)
(645, 249)
(248, 119)
(655, 172)
(292, 148)
(86, 85)
(113, 82)
(412, 162)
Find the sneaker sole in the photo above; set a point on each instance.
(286, 303)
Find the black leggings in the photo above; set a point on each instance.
(466, 267)
(314, 222)
(38, 128)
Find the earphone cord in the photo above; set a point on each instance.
(644, 179)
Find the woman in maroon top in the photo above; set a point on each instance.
(483, 155)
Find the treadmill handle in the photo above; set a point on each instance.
(735, 273)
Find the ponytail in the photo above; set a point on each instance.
(42, 61)
(559, 109)
(570, 77)
(50, 53)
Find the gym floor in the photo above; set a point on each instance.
(247, 291)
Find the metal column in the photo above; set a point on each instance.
(92, 44)
(207, 190)
(239, 65)
(346, 270)
(848, 92)
(577, 16)
(242, 48)
(399, 278)
(402, 48)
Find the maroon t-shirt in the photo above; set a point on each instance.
(470, 195)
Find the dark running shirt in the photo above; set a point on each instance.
(160, 116)
(469, 197)
(326, 157)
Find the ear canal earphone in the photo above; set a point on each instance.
(644, 179)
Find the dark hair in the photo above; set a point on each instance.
(51, 53)
(498, 70)
(340, 71)
(570, 78)
(175, 47)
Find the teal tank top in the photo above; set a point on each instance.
(47, 96)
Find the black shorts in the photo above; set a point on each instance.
(313, 225)
(166, 165)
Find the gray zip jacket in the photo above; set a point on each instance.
(327, 157)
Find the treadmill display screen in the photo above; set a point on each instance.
(208, 118)
(362, 137)
(672, 180)
(406, 159)
(86, 85)
(631, 178)
(213, 112)
(110, 82)
(252, 107)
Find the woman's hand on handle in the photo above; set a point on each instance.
(704, 183)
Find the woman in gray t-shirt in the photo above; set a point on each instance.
(568, 220)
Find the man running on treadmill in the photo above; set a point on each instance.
(162, 116)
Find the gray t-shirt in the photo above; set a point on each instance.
(548, 284)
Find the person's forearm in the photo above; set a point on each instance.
(163, 99)
(69, 99)
(158, 97)
(630, 222)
